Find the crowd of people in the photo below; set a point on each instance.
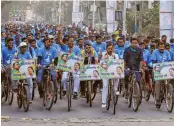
(44, 42)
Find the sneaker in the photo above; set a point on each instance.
(75, 95)
(117, 92)
(103, 105)
(64, 93)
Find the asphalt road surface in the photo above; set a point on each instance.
(83, 115)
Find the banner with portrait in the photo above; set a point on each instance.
(90, 72)
(163, 71)
(69, 62)
(22, 69)
(113, 68)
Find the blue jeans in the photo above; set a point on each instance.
(127, 73)
(53, 76)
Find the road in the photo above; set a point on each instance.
(83, 115)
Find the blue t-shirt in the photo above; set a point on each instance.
(119, 50)
(99, 47)
(172, 55)
(37, 50)
(2, 43)
(26, 56)
(8, 55)
(145, 53)
(149, 60)
(57, 47)
(172, 47)
(47, 55)
(158, 57)
(39, 43)
(74, 50)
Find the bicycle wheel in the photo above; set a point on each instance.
(68, 94)
(89, 93)
(114, 100)
(19, 97)
(169, 98)
(55, 96)
(10, 94)
(25, 99)
(109, 97)
(129, 95)
(4, 92)
(49, 95)
(136, 96)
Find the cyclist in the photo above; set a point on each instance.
(99, 46)
(24, 55)
(158, 56)
(133, 57)
(90, 57)
(34, 46)
(70, 48)
(168, 48)
(119, 49)
(108, 55)
(45, 57)
(29, 48)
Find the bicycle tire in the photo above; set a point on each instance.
(19, 97)
(44, 93)
(89, 94)
(136, 96)
(169, 96)
(114, 100)
(68, 92)
(4, 92)
(10, 94)
(109, 97)
(50, 91)
(60, 90)
(129, 96)
(55, 97)
(25, 100)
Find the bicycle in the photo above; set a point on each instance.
(22, 95)
(48, 88)
(166, 94)
(134, 94)
(6, 87)
(111, 96)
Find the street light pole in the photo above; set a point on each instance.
(93, 19)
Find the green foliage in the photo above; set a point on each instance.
(150, 21)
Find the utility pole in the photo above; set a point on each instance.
(124, 18)
(93, 19)
(60, 10)
(135, 26)
(140, 18)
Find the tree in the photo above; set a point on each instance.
(150, 21)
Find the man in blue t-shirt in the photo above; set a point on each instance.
(158, 56)
(45, 57)
(8, 52)
(168, 48)
(172, 44)
(99, 46)
(119, 49)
